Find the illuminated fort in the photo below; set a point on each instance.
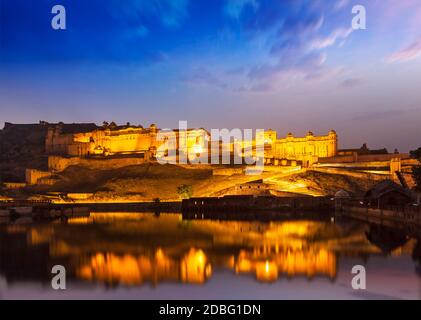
(117, 146)
(306, 149)
(110, 139)
(85, 140)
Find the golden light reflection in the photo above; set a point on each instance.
(291, 263)
(133, 270)
(84, 220)
(266, 271)
(166, 249)
(194, 267)
(110, 268)
(36, 236)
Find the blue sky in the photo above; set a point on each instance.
(292, 65)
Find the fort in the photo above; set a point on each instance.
(111, 162)
(87, 140)
(306, 149)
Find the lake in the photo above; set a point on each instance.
(151, 256)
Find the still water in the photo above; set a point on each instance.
(147, 256)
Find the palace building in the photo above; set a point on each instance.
(106, 140)
(306, 149)
(87, 140)
(111, 139)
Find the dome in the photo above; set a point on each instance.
(342, 194)
(331, 132)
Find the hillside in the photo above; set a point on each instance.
(21, 146)
(150, 181)
(320, 183)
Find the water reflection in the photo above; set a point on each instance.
(128, 269)
(134, 249)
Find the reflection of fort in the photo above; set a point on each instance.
(195, 266)
(140, 248)
(291, 263)
(132, 270)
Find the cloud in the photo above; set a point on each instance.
(170, 13)
(173, 12)
(382, 114)
(304, 65)
(338, 34)
(292, 30)
(236, 70)
(203, 77)
(234, 8)
(351, 83)
(289, 50)
(152, 57)
(142, 31)
(340, 4)
(98, 30)
(296, 26)
(412, 52)
(271, 15)
(257, 88)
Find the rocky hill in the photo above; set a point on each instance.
(150, 181)
(21, 146)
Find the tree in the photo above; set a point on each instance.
(416, 170)
(185, 191)
(416, 153)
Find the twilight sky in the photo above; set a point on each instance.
(290, 65)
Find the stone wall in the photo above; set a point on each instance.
(411, 215)
(14, 185)
(227, 171)
(364, 158)
(79, 196)
(251, 203)
(58, 164)
(354, 174)
(33, 176)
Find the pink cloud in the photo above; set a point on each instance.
(350, 83)
(340, 4)
(339, 34)
(412, 52)
(398, 12)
